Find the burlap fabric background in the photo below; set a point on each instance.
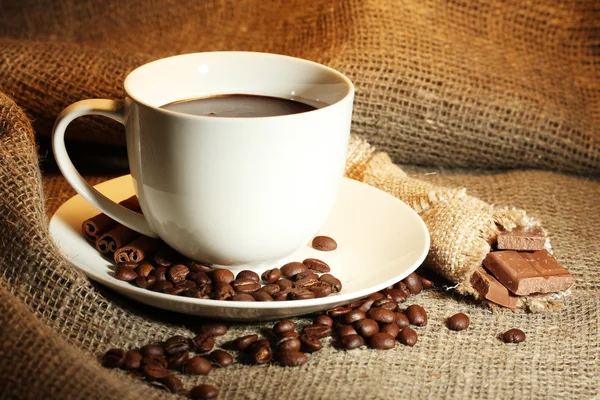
(443, 83)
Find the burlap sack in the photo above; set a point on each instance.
(482, 83)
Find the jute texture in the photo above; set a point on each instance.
(477, 84)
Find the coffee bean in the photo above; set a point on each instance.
(178, 360)
(145, 282)
(366, 327)
(213, 329)
(401, 320)
(245, 285)
(416, 315)
(336, 284)
(155, 371)
(427, 284)
(283, 295)
(284, 326)
(243, 297)
(458, 322)
(271, 275)
(513, 336)
(262, 296)
(375, 296)
(401, 286)
(284, 283)
(176, 344)
(196, 294)
(203, 343)
(321, 289)
(128, 264)
(185, 285)
(386, 303)
(175, 291)
(350, 342)
(324, 243)
(260, 351)
(152, 350)
(323, 320)
(381, 315)
(222, 291)
(413, 281)
(292, 358)
(160, 286)
(113, 358)
(346, 330)
(125, 274)
(160, 273)
(177, 273)
(271, 289)
(147, 360)
(222, 275)
(243, 342)
(366, 305)
(133, 360)
(317, 265)
(310, 344)
(318, 331)
(305, 279)
(353, 316)
(196, 266)
(144, 269)
(338, 311)
(204, 392)
(382, 341)
(301, 294)
(247, 274)
(221, 358)
(289, 334)
(201, 278)
(288, 343)
(408, 336)
(396, 295)
(198, 366)
(392, 329)
(172, 383)
(163, 258)
(293, 268)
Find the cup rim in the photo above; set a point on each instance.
(136, 99)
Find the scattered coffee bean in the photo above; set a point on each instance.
(366, 305)
(260, 351)
(196, 266)
(154, 360)
(381, 315)
(198, 366)
(427, 284)
(513, 336)
(201, 278)
(176, 344)
(128, 264)
(338, 311)
(243, 342)
(416, 315)
(382, 341)
(113, 358)
(323, 320)
(284, 326)
(271, 275)
(196, 294)
(336, 284)
(172, 383)
(396, 295)
(353, 316)
(152, 350)
(271, 289)
(301, 294)
(222, 275)
(366, 327)
(283, 295)
(392, 329)
(185, 285)
(292, 358)
(346, 330)
(160, 273)
(177, 273)
(174, 291)
(262, 296)
(317, 265)
(163, 258)
(293, 268)
(160, 286)
(204, 392)
(245, 285)
(288, 343)
(213, 329)
(318, 331)
(324, 243)
(244, 297)
(222, 291)
(133, 360)
(408, 336)
(284, 284)
(458, 322)
(203, 343)
(125, 274)
(321, 289)
(386, 303)
(178, 360)
(289, 334)
(144, 269)
(247, 274)
(350, 342)
(413, 282)
(145, 282)
(310, 344)
(155, 371)
(401, 286)
(375, 296)
(401, 320)
(221, 358)
(305, 279)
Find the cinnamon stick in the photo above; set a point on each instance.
(99, 224)
(114, 239)
(138, 249)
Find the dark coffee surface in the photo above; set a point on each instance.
(239, 105)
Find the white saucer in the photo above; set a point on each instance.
(380, 241)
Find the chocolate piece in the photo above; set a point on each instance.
(99, 224)
(489, 288)
(138, 249)
(524, 273)
(522, 239)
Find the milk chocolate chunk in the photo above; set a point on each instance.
(522, 239)
(490, 289)
(524, 273)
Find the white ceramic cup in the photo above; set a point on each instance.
(229, 191)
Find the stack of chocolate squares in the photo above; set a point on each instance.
(520, 266)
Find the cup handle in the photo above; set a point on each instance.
(111, 109)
